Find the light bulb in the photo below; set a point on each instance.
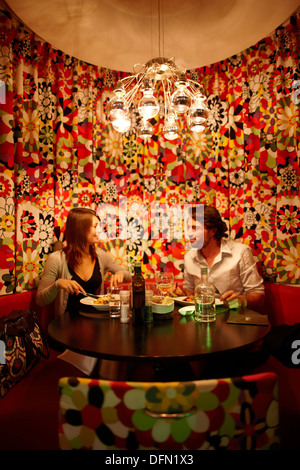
(196, 126)
(180, 99)
(117, 106)
(198, 114)
(171, 128)
(121, 124)
(148, 105)
(145, 129)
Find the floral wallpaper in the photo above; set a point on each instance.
(58, 150)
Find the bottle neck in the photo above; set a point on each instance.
(137, 270)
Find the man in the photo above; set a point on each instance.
(231, 265)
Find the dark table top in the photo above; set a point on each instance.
(174, 339)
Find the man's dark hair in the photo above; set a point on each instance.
(212, 219)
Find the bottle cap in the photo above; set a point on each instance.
(204, 270)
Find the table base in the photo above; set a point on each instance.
(230, 366)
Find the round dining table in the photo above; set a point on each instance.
(168, 346)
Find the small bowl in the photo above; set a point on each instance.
(162, 305)
(189, 310)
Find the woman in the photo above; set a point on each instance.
(76, 269)
(79, 267)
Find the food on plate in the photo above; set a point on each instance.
(171, 294)
(102, 300)
(179, 291)
(190, 298)
(162, 300)
(176, 291)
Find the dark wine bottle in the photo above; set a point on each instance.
(138, 296)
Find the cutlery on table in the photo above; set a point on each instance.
(94, 296)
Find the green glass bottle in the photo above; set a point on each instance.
(138, 296)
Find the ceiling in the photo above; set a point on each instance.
(118, 34)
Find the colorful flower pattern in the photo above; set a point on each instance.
(235, 414)
(59, 150)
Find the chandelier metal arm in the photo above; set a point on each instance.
(167, 94)
(130, 93)
(196, 87)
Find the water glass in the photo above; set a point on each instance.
(148, 306)
(114, 303)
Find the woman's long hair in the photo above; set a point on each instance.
(79, 222)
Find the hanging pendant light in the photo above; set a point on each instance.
(122, 124)
(119, 111)
(181, 100)
(145, 129)
(148, 106)
(198, 114)
(171, 128)
(118, 107)
(181, 96)
(180, 93)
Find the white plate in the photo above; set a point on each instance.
(181, 301)
(91, 303)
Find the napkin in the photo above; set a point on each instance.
(248, 318)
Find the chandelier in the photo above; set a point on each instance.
(182, 96)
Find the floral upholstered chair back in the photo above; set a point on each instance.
(234, 414)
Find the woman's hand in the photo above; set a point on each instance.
(72, 287)
(116, 279)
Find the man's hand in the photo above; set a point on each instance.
(253, 300)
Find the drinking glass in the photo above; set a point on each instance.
(164, 281)
(114, 302)
(148, 306)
